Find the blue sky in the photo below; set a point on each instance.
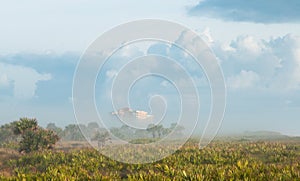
(256, 11)
(257, 45)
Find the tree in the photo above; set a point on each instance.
(90, 130)
(101, 137)
(141, 133)
(152, 129)
(166, 131)
(127, 132)
(93, 126)
(177, 129)
(53, 127)
(156, 130)
(116, 132)
(159, 130)
(7, 136)
(33, 137)
(73, 132)
(24, 124)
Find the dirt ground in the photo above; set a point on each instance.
(6, 155)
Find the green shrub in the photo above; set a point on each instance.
(33, 137)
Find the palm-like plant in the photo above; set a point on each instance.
(33, 137)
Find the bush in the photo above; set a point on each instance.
(34, 138)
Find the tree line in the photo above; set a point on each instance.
(26, 135)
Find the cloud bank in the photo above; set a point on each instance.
(272, 65)
(256, 11)
(262, 76)
(23, 80)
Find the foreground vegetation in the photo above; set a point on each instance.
(221, 160)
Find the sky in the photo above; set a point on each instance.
(257, 44)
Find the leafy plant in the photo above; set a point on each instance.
(33, 137)
(221, 160)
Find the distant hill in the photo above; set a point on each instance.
(256, 135)
(263, 135)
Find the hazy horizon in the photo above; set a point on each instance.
(259, 54)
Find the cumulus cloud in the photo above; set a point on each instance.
(247, 62)
(275, 61)
(287, 50)
(206, 36)
(23, 79)
(4, 82)
(165, 83)
(111, 73)
(247, 44)
(245, 79)
(130, 51)
(257, 11)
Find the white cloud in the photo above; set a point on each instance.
(134, 50)
(287, 49)
(165, 83)
(243, 49)
(245, 79)
(111, 73)
(247, 62)
(24, 79)
(247, 44)
(4, 82)
(275, 61)
(296, 74)
(206, 36)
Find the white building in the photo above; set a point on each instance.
(134, 114)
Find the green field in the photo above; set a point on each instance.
(221, 160)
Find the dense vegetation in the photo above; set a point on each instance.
(26, 135)
(33, 137)
(25, 155)
(221, 160)
(74, 132)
